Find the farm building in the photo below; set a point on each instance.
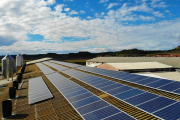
(135, 64)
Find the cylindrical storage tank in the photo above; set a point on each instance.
(10, 68)
(12, 92)
(6, 108)
(19, 61)
(15, 84)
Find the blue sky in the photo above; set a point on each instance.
(63, 26)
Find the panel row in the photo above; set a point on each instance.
(38, 90)
(145, 101)
(46, 70)
(58, 67)
(142, 100)
(155, 83)
(88, 105)
(66, 64)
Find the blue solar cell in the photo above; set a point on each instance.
(120, 116)
(76, 93)
(171, 86)
(85, 101)
(104, 84)
(129, 93)
(114, 75)
(94, 80)
(159, 83)
(99, 82)
(72, 90)
(170, 113)
(79, 97)
(130, 76)
(177, 91)
(68, 88)
(138, 78)
(112, 86)
(91, 81)
(102, 113)
(120, 76)
(92, 107)
(119, 90)
(147, 81)
(156, 104)
(141, 98)
(88, 78)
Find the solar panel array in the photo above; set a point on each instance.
(158, 106)
(38, 90)
(66, 63)
(88, 105)
(45, 69)
(145, 101)
(58, 67)
(155, 83)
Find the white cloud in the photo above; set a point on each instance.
(155, 1)
(89, 17)
(103, 1)
(82, 11)
(160, 5)
(109, 33)
(59, 7)
(112, 5)
(158, 14)
(99, 15)
(73, 12)
(66, 9)
(51, 2)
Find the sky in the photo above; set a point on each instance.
(68, 26)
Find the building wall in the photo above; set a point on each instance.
(107, 66)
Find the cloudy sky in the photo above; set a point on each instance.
(63, 26)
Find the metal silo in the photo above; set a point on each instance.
(8, 66)
(19, 61)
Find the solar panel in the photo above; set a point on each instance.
(156, 104)
(123, 92)
(171, 87)
(45, 69)
(119, 116)
(169, 113)
(140, 99)
(177, 91)
(38, 90)
(66, 63)
(156, 83)
(88, 105)
(147, 81)
(58, 67)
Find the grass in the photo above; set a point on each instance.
(81, 61)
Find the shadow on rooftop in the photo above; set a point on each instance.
(18, 116)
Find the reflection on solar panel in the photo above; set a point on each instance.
(145, 101)
(45, 69)
(66, 64)
(156, 83)
(58, 67)
(88, 105)
(38, 90)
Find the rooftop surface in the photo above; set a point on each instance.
(139, 65)
(38, 60)
(171, 61)
(60, 107)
